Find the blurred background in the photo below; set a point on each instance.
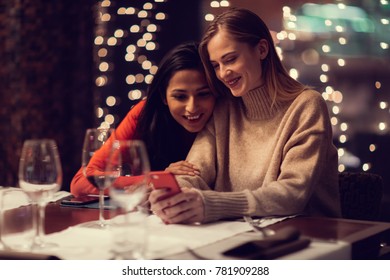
(69, 65)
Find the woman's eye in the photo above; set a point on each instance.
(230, 60)
(215, 66)
(179, 97)
(204, 93)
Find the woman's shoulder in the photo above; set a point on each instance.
(136, 109)
(139, 106)
(310, 94)
(310, 105)
(310, 97)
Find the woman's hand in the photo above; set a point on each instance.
(185, 207)
(183, 168)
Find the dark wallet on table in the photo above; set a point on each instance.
(283, 242)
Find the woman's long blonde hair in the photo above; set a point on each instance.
(246, 27)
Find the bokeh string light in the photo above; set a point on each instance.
(335, 25)
(140, 44)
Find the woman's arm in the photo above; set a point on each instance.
(125, 130)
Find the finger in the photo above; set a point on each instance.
(179, 171)
(178, 199)
(178, 163)
(190, 215)
(184, 164)
(187, 168)
(181, 202)
(177, 209)
(190, 166)
(183, 170)
(154, 196)
(187, 217)
(161, 215)
(165, 206)
(186, 213)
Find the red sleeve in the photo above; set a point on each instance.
(125, 131)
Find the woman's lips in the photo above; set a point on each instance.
(192, 117)
(233, 82)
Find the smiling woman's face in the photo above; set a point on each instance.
(236, 64)
(190, 101)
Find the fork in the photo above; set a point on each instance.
(266, 232)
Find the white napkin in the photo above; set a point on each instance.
(19, 198)
(162, 240)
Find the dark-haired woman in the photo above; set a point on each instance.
(178, 105)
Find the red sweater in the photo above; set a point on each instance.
(125, 131)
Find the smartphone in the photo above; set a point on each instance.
(164, 180)
(80, 200)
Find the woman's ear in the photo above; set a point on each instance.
(263, 48)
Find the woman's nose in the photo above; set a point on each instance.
(224, 72)
(191, 105)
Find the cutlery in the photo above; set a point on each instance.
(266, 232)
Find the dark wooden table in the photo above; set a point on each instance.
(365, 237)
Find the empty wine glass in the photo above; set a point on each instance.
(40, 176)
(127, 176)
(96, 138)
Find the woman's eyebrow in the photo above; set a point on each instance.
(204, 87)
(223, 57)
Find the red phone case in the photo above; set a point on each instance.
(164, 179)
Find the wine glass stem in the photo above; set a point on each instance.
(101, 207)
(2, 246)
(38, 240)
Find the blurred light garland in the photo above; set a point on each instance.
(142, 41)
(329, 23)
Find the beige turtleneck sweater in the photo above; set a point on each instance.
(258, 159)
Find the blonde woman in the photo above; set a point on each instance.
(268, 148)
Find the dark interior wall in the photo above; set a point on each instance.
(183, 24)
(48, 71)
(46, 79)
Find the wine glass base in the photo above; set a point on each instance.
(43, 246)
(128, 254)
(95, 224)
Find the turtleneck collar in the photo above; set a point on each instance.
(258, 104)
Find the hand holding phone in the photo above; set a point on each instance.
(164, 180)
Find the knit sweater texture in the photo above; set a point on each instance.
(259, 158)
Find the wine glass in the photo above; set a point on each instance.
(127, 176)
(94, 139)
(40, 176)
